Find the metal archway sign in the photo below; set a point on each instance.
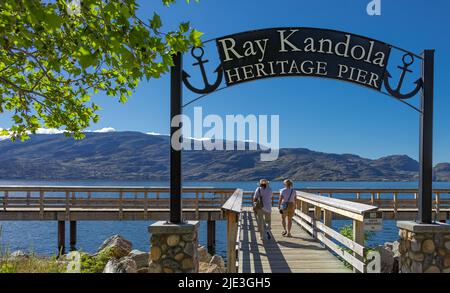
(298, 51)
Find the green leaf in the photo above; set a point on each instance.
(155, 22)
(194, 37)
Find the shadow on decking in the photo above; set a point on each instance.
(252, 254)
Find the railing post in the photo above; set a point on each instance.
(41, 205)
(372, 198)
(304, 207)
(120, 205)
(327, 218)
(395, 204)
(197, 206)
(28, 197)
(67, 206)
(231, 239)
(358, 237)
(146, 205)
(5, 200)
(317, 216)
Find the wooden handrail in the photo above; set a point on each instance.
(17, 201)
(232, 210)
(323, 232)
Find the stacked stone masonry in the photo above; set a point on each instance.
(424, 252)
(174, 250)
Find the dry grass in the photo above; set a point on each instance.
(29, 264)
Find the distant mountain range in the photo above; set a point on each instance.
(139, 156)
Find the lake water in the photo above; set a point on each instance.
(40, 236)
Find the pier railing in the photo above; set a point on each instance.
(319, 225)
(233, 212)
(395, 203)
(42, 200)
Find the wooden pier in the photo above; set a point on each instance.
(316, 247)
(299, 254)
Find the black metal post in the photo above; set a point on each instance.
(426, 140)
(176, 85)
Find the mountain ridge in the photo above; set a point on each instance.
(137, 156)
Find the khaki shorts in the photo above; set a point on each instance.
(290, 211)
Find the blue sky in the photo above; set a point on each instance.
(323, 115)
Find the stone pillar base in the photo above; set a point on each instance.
(424, 248)
(174, 247)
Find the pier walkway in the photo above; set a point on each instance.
(299, 254)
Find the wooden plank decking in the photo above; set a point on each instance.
(300, 254)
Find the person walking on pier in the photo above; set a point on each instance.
(263, 208)
(286, 205)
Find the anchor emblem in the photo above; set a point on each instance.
(405, 69)
(201, 63)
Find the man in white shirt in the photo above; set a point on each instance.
(264, 214)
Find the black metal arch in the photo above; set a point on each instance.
(425, 85)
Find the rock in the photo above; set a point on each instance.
(117, 246)
(170, 263)
(428, 246)
(189, 249)
(173, 240)
(189, 237)
(154, 268)
(416, 245)
(210, 268)
(168, 270)
(446, 271)
(179, 256)
(403, 234)
(395, 248)
(155, 253)
(143, 270)
(187, 264)
(203, 254)
(18, 254)
(140, 258)
(447, 245)
(418, 257)
(405, 269)
(387, 259)
(446, 261)
(438, 239)
(441, 252)
(124, 265)
(416, 267)
(432, 270)
(217, 260)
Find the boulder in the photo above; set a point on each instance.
(203, 254)
(116, 246)
(387, 258)
(140, 258)
(396, 248)
(123, 265)
(217, 260)
(18, 254)
(154, 267)
(210, 268)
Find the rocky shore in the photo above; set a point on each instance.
(115, 255)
